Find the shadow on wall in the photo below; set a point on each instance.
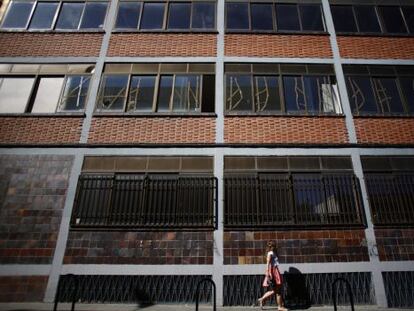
(297, 295)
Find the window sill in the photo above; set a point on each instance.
(44, 115)
(154, 115)
(282, 115)
(49, 31)
(183, 31)
(393, 116)
(247, 32)
(370, 34)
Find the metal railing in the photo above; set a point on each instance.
(145, 201)
(292, 200)
(391, 198)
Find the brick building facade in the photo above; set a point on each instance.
(146, 152)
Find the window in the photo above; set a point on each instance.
(44, 93)
(373, 19)
(160, 91)
(55, 15)
(379, 91)
(281, 93)
(265, 16)
(179, 15)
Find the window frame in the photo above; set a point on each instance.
(166, 16)
(56, 17)
(274, 18)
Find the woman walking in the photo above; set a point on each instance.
(273, 279)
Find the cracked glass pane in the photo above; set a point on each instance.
(74, 94)
(239, 93)
(113, 92)
(266, 94)
(187, 93)
(294, 94)
(361, 95)
(388, 95)
(141, 93)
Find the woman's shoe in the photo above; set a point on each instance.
(260, 302)
(282, 309)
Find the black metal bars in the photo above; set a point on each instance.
(268, 200)
(145, 201)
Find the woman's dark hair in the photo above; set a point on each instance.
(271, 246)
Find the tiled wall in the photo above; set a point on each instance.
(22, 288)
(395, 244)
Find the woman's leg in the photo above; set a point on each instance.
(279, 299)
(266, 296)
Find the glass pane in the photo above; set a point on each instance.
(164, 96)
(237, 16)
(179, 17)
(388, 96)
(47, 95)
(361, 95)
(128, 15)
(203, 15)
(17, 15)
(262, 17)
(343, 18)
(94, 16)
(409, 17)
(287, 17)
(141, 93)
(74, 94)
(70, 15)
(153, 16)
(113, 92)
(187, 93)
(294, 94)
(407, 85)
(43, 15)
(367, 18)
(239, 93)
(14, 94)
(311, 17)
(266, 94)
(392, 18)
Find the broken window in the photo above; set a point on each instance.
(361, 95)
(294, 93)
(113, 93)
(75, 93)
(388, 95)
(187, 93)
(239, 93)
(141, 93)
(266, 93)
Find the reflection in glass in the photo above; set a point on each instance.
(262, 16)
(164, 95)
(187, 93)
(128, 15)
(343, 18)
(266, 93)
(287, 17)
(74, 94)
(17, 14)
(44, 15)
(14, 94)
(152, 16)
(70, 15)
(239, 93)
(367, 18)
(361, 95)
(94, 15)
(407, 86)
(203, 15)
(388, 96)
(409, 17)
(294, 94)
(311, 17)
(321, 95)
(47, 95)
(392, 18)
(141, 93)
(179, 16)
(113, 92)
(237, 16)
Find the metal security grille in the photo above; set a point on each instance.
(144, 289)
(300, 290)
(266, 200)
(391, 198)
(131, 200)
(399, 287)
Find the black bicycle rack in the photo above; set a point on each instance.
(198, 292)
(75, 288)
(348, 288)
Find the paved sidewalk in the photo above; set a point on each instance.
(161, 307)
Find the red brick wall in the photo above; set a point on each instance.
(162, 44)
(277, 45)
(144, 248)
(22, 288)
(50, 44)
(285, 130)
(385, 130)
(40, 130)
(152, 130)
(395, 244)
(245, 247)
(376, 47)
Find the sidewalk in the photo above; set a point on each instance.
(161, 307)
